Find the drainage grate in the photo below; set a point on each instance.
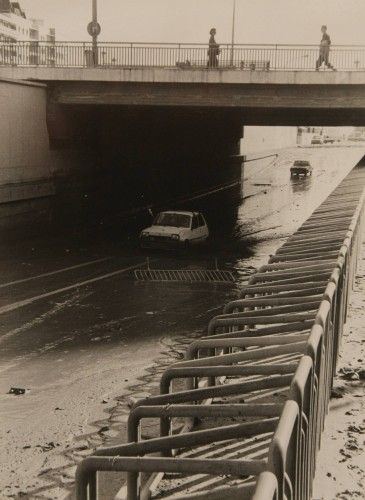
(188, 275)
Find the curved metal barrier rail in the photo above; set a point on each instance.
(247, 422)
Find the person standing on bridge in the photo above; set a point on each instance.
(213, 51)
(324, 50)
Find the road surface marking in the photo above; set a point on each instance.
(22, 303)
(37, 321)
(51, 273)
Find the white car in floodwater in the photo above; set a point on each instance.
(175, 229)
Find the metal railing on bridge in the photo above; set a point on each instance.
(115, 55)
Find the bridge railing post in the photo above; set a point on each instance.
(275, 57)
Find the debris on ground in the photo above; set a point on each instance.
(103, 429)
(350, 373)
(17, 391)
(347, 495)
(47, 447)
(81, 448)
(337, 392)
(45, 471)
(359, 429)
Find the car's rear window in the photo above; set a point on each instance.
(172, 220)
(301, 163)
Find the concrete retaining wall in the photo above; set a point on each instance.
(25, 176)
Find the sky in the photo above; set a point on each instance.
(257, 21)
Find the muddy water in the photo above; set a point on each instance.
(80, 338)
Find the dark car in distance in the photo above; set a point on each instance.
(301, 167)
(328, 139)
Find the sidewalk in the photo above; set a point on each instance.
(341, 460)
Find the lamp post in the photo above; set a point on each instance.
(94, 21)
(93, 28)
(233, 29)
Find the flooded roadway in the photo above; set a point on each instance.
(76, 329)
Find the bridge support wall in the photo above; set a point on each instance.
(26, 184)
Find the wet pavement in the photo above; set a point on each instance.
(77, 331)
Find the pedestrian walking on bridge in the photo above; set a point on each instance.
(324, 50)
(214, 50)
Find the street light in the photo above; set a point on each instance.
(233, 29)
(94, 29)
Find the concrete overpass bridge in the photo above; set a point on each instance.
(255, 97)
(132, 108)
(254, 84)
(259, 84)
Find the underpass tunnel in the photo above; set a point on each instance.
(111, 160)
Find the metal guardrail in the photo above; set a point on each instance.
(249, 57)
(258, 386)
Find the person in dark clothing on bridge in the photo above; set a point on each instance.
(213, 51)
(324, 50)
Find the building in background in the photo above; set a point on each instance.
(329, 134)
(267, 139)
(16, 28)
